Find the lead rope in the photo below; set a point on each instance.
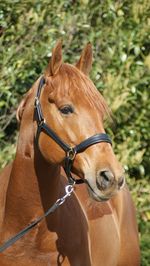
(68, 189)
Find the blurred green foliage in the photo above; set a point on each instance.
(120, 34)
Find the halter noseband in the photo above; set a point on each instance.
(70, 151)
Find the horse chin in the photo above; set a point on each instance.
(96, 197)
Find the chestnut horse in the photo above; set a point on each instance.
(61, 125)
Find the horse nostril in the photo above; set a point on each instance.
(104, 179)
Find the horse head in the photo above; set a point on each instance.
(74, 109)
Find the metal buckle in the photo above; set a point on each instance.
(41, 122)
(71, 154)
(36, 103)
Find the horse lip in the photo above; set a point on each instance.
(94, 195)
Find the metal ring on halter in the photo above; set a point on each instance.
(71, 154)
(40, 123)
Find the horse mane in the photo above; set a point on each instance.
(72, 82)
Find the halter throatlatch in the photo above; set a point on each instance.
(70, 151)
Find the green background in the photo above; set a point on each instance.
(120, 34)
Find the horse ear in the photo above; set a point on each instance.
(55, 61)
(21, 106)
(20, 110)
(85, 61)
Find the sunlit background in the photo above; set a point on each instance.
(120, 34)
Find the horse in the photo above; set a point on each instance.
(62, 144)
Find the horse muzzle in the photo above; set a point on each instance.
(104, 186)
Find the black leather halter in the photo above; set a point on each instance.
(70, 151)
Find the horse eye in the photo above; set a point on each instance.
(68, 109)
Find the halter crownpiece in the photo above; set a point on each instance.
(70, 151)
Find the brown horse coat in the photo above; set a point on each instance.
(83, 231)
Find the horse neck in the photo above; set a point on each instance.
(34, 183)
